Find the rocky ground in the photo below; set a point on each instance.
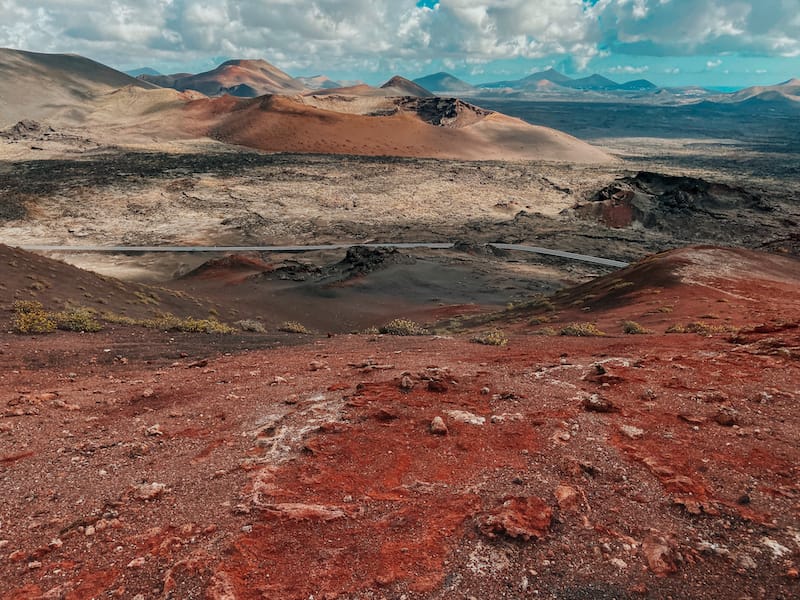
(622, 466)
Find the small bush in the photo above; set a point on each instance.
(700, 328)
(251, 325)
(294, 327)
(77, 319)
(634, 328)
(540, 320)
(403, 327)
(33, 322)
(545, 331)
(581, 330)
(27, 306)
(491, 338)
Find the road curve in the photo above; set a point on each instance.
(607, 262)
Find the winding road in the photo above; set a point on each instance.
(606, 262)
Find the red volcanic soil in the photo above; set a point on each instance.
(622, 466)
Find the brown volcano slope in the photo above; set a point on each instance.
(282, 124)
(621, 466)
(243, 78)
(39, 86)
(57, 285)
(702, 289)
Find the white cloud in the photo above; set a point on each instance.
(628, 69)
(374, 34)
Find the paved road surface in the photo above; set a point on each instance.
(436, 246)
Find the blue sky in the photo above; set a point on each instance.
(671, 42)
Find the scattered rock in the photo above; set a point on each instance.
(747, 562)
(659, 555)
(304, 512)
(406, 383)
(438, 426)
(778, 549)
(568, 498)
(596, 403)
(463, 416)
(198, 364)
(148, 491)
(727, 417)
(137, 563)
(525, 518)
(437, 385)
(154, 430)
(629, 431)
(619, 563)
(600, 374)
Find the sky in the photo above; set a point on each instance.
(731, 43)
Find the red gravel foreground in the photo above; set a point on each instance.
(624, 466)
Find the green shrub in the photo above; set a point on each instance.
(581, 330)
(491, 338)
(403, 327)
(545, 331)
(251, 325)
(294, 327)
(634, 328)
(33, 322)
(700, 328)
(77, 319)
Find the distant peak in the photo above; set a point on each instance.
(397, 81)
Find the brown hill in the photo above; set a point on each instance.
(289, 125)
(787, 92)
(41, 86)
(57, 285)
(243, 78)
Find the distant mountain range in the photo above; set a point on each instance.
(551, 77)
(253, 78)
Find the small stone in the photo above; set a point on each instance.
(406, 383)
(34, 564)
(632, 432)
(437, 386)
(793, 573)
(659, 555)
(438, 426)
(148, 491)
(727, 417)
(154, 430)
(648, 395)
(596, 403)
(746, 562)
(485, 391)
(137, 563)
(89, 531)
(317, 365)
(4, 543)
(619, 563)
(568, 498)
(148, 393)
